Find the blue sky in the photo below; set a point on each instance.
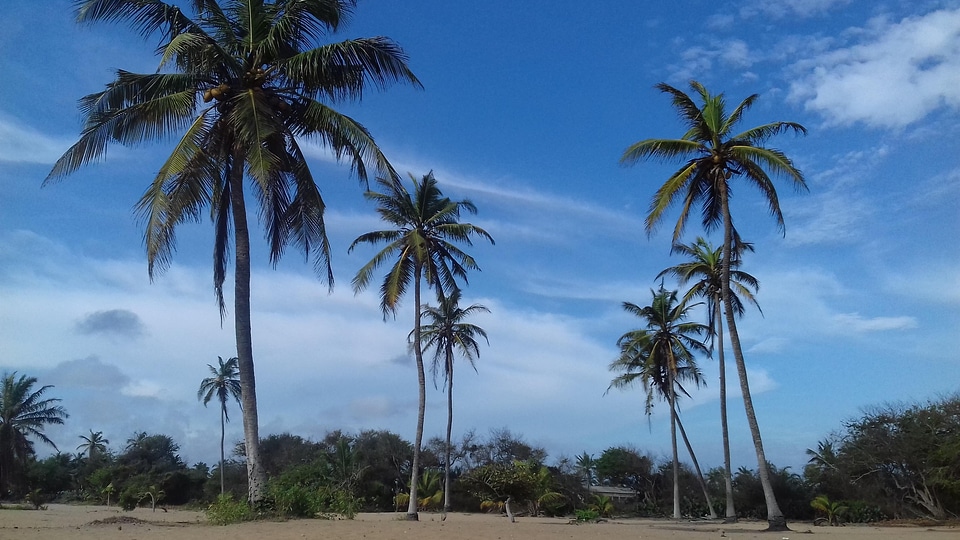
(526, 110)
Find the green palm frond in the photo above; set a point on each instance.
(713, 157)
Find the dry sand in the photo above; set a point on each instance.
(99, 522)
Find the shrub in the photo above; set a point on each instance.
(295, 500)
(583, 516)
(226, 510)
(863, 512)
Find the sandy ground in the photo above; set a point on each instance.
(98, 522)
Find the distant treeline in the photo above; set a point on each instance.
(895, 461)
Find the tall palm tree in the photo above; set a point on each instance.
(241, 83)
(224, 382)
(661, 356)
(715, 154)
(445, 332)
(426, 225)
(93, 445)
(23, 413)
(703, 269)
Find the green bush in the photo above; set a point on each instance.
(295, 500)
(863, 512)
(130, 497)
(343, 503)
(584, 516)
(226, 510)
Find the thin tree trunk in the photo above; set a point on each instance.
(775, 518)
(673, 444)
(446, 461)
(696, 467)
(223, 431)
(248, 386)
(731, 511)
(412, 514)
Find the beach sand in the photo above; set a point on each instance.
(99, 522)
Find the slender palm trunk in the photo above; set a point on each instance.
(223, 431)
(422, 380)
(775, 519)
(446, 460)
(673, 443)
(696, 467)
(731, 511)
(248, 386)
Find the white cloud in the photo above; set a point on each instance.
(898, 73)
(807, 306)
(696, 60)
(857, 323)
(143, 388)
(838, 212)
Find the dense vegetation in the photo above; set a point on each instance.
(895, 461)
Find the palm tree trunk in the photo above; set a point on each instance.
(696, 466)
(731, 511)
(673, 443)
(248, 386)
(446, 460)
(223, 431)
(422, 380)
(775, 519)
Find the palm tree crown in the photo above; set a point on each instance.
(714, 153)
(427, 224)
(446, 332)
(248, 81)
(93, 445)
(661, 355)
(703, 269)
(24, 413)
(224, 382)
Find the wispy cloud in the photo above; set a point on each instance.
(896, 73)
(860, 324)
(790, 8)
(23, 144)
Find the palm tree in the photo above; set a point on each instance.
(225, 383)
(661, 356)
(714, 155)
(240, 85)
(587, 466)
(703, 268)
(426, 223)
(23, 413)
(445, 332)
(93, 445)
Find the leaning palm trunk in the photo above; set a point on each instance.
(422, 380)
(248, 386)
(731, 511)
(696, 467)
(775, 519)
